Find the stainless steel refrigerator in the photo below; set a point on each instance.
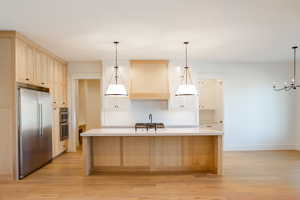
(34, 127)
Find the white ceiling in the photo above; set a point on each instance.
(219, 30)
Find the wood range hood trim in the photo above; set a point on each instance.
(158, 89)
(149, 96)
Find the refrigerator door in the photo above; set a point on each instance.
(29, 134)
(45, 152)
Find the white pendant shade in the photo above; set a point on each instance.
(186, 89)
(116, 89)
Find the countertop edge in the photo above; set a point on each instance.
(130, 132)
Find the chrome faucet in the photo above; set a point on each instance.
(150, 118)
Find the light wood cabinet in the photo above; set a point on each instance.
(42, 69)
(64, 85)
(153, 153)
(30, 64)
(21, 70)
(37, 68)
(136, 151)
(58, 146)
(59, 85)
(149, 79)
(56, 94)
(25, 63)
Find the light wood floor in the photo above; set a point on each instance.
(273, 175)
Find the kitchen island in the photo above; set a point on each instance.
(168, 149)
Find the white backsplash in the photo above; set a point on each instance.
(139, 111)
(160, 112)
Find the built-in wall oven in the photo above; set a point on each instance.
(64, 123)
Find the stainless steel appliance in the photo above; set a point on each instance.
(34, 128)
(63, 123)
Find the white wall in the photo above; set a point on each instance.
(297, 117)
(297, 113)
(255, 116)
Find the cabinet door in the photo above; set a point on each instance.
(64, 74)
(177, 103)
(191, 103)
(207, 95)
(51, 72)
(25, 62)
(62, 95)
(51, 65)
(114, 104)
(183, 103)
(59, 72)
(56, 94)
(42, 68)
(59, 95)
(64, 86)
(21, 70)
(55, 130)
(30, 65)
(56, 84)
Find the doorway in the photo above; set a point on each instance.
(88, 107)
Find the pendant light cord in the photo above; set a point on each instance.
(116, 61)
(295, 49)
(186, 64)
(186, 43)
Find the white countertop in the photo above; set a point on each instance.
(159, 132)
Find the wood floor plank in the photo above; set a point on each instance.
(262, 175)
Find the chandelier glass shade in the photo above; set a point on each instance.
(291, 84)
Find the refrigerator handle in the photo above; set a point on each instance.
(41, 120)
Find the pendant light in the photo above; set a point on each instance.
(186, 87)
(115, 87)
(292, 83)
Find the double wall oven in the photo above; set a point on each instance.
(64, 123)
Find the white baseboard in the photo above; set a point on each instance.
(298, 147)
(261, 147)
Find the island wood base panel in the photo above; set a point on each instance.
(159, 153)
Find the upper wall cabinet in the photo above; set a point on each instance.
(149, 79)
(183, 103)
(59, 84)
(113, 104)
(25, 61)
(38, 67)
(42, 69)
(208, 94)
